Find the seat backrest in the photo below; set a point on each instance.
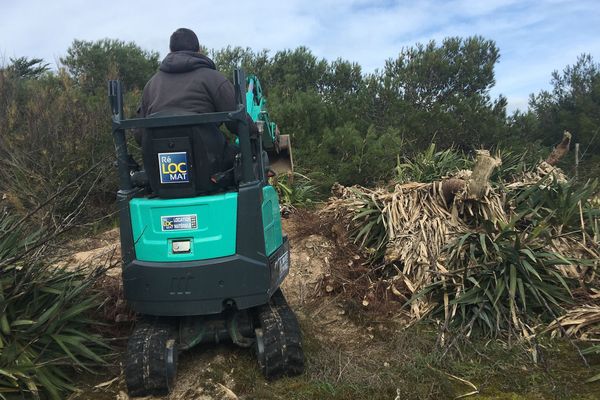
(180, 161)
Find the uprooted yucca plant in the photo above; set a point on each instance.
(501, 280)
(497, 263)
(563, 215)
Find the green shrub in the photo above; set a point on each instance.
(44, 317)
(52, 136)
(295, 190)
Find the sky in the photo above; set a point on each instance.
(534, 37)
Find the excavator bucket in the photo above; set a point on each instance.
(281, 161)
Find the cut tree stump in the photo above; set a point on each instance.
(560, 150)
(484, 166)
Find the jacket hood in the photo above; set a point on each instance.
(184, 61)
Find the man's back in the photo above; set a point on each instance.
(187, 81)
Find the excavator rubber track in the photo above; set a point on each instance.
(151, 363)
(279, 339)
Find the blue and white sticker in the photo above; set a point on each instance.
(173, 167)
(179, 222)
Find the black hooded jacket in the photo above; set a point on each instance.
(187, 81)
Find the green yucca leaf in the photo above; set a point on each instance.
(51, 384)
(67, 351)
(364, 233)
(77, 343)
(482, 240)
(366, 212)
(45, 317)
(21, 322)
(474, 281)
(50, 290)
(78, 309)
(90, 338)
(512, 289)
(529, 254)
(522, 295)
(500, 287)
(530, 269)
(534, 292)
(485, 318)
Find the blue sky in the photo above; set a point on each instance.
(534, 37)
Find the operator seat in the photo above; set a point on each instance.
(182, 161)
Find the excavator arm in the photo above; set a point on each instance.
(277, 146)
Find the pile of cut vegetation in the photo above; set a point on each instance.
(494, 244)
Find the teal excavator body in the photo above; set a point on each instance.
(195, 240)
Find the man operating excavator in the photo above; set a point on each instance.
(204, 253)
(187, 82)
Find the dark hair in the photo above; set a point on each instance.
(184, 39)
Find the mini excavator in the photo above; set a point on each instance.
(204, 255)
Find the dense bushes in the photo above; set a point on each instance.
(346, 125)
(352, 126)
(54, 142)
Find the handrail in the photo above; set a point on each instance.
(179, 120)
